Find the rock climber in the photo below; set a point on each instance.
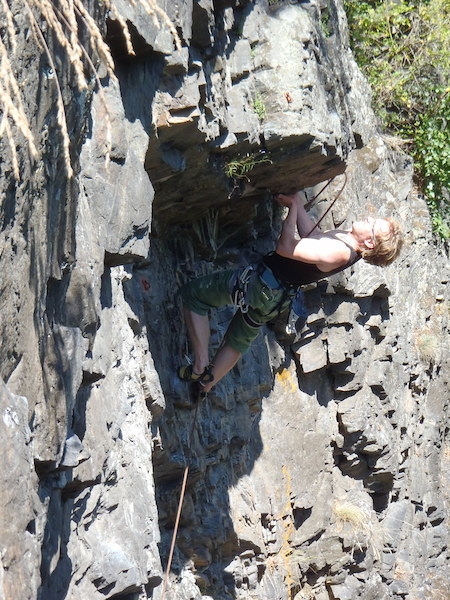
(263, 291)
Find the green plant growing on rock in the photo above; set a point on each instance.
(259, 107)
(402, 47)
(325, 22)
(239, 168)
(431, 151)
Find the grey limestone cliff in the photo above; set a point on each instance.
(319, 467)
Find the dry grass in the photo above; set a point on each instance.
(429, 344)
(362, 524)
(11, 99)
(357, 517)
(64, 24)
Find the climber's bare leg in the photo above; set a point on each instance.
(199, 333)
(223, 362)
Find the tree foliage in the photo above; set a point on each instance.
(403, 47)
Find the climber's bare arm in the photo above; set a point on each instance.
(305, 225)
(326, 252)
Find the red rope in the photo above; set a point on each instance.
(175, 531)
(186, 470)
(331, 205)
(180, 506)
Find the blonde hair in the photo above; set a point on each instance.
(387, 246)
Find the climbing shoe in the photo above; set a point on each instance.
(186, 373)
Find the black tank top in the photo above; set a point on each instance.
(295, 272)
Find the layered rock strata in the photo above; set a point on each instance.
(318, 468)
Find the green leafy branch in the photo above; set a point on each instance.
(402, 47)
(239, 168)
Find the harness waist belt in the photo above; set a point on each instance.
(268, 277)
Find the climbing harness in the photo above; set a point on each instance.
(239, 294)
(265, 276)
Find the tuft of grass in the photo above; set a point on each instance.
(259, 107)
(357, 517)
(240, 167)
(69, 23)
(363, 525)
(428, 344)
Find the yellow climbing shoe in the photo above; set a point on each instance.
(186, 373)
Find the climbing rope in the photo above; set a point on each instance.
(180, 502)
(310, 202)
(189, 449)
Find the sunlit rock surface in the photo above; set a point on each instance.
(319, 467)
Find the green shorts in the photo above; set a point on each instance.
(215, 290)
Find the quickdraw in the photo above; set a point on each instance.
(239, 293)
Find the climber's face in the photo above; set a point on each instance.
(366, 232)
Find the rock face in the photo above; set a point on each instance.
(319, 467)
